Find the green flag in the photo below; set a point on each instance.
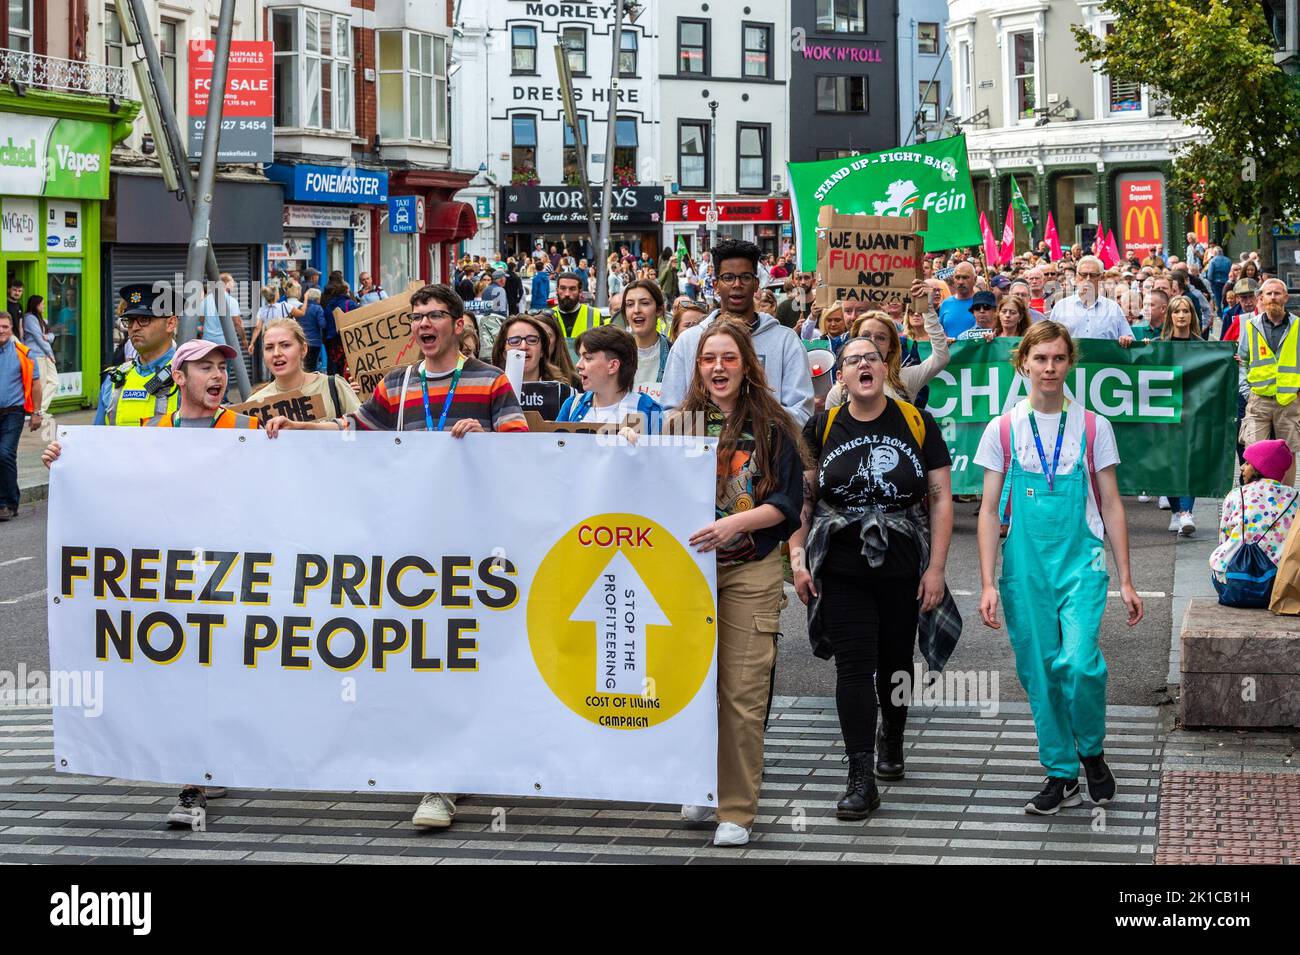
(931, 176)
(1021, 207)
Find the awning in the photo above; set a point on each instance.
(450, 222)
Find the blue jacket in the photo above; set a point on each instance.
(575, 408)
(541, 291)
(313, 324)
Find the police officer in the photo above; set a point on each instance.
(138, 390)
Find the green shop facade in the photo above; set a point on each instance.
(54, 179)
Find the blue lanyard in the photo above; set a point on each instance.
(446, 405)
(1038, 443)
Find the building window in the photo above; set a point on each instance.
(1122, 96)
(572, 169)
(523, 150)
(966, 63)
(929, 100)
(114, 49)
(627, 49)
(523, 50)
(574, 40)
(751, 158)
(842, 94)
(927, 38)
(756, 40)
(412, 86)
(313, 69)
(824, 153)
(1023, 75)
(693, 154)
(841, 16)
(693, 47)
(625, 145)
(20, 26)
(168, 42)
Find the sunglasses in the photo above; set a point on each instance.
(729, 360)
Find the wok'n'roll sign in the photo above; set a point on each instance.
(873, 259)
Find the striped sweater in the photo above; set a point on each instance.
(483, 393)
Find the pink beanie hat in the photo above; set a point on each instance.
(1270, 458)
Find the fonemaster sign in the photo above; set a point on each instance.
(345, 184)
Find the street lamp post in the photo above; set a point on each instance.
(713, 172)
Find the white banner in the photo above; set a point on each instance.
(513, 614)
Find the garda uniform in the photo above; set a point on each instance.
(1273, 377)
(135, 392)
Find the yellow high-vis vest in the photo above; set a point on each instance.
(131, 404)
(1274, 376)
(584, 320)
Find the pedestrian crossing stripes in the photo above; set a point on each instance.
(968, 778)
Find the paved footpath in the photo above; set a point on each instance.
(962, 802)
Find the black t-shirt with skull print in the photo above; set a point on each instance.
(865, 464)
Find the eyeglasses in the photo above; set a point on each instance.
(871, 358)
(139, 319)
(514, 341)
(436, 315)
(729, 360)
(737, 278)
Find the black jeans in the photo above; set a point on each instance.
(871, 624)
(312, 361)
(11, 429)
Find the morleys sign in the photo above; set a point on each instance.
(304, 182)
(562, 205)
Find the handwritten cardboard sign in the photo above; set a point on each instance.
(872, 259)
(377, 337)
(294, 405)
(539, 424)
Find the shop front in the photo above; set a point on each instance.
(428, 249)
(556, 216)
(762, 221)
(330, 216)
(54, 179)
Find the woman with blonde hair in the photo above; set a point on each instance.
(284, 353)
(828, 323)
(905, 382)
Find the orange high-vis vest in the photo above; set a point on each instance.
(225, 418)
(26, 368)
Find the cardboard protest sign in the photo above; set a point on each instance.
(294, 405)
(539, 424)
(377, 337)
(873, 259)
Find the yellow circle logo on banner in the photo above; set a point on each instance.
(621, 622)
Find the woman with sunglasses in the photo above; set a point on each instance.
(545, 388)
(868, 560)
(758, 501)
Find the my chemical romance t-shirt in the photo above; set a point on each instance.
(866, 464)
(545, 397)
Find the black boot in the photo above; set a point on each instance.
(861, 797)
(889, 751)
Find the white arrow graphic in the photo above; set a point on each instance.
(621, 606)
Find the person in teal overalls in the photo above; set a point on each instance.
(1057, 462)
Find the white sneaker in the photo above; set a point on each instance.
(436, 811)
(1144, 498)
(1163, 503)
(1173, 523)
(697, 813)
(1186, 524)
(730, 834)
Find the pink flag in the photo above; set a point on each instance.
(1008, 249)
(1112, 250)
(1096, 241)
(1053, 240)
(990, 244)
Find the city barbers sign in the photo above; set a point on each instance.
(566, 205)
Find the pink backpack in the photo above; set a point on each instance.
(1090, 435)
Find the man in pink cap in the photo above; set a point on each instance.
(199, 368)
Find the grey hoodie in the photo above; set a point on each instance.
(784, 358)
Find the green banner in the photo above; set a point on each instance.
(46, 156)
(1021, 207)
(933, 176)
(1173, 407)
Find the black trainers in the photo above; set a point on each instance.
(1101, 781)
(190, 809)
(861, 797)
(1057, 794)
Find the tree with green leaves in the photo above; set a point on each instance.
(1213, 62)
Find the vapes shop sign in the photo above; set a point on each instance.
(44, 156)
(564, 205)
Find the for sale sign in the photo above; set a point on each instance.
(247, 120)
